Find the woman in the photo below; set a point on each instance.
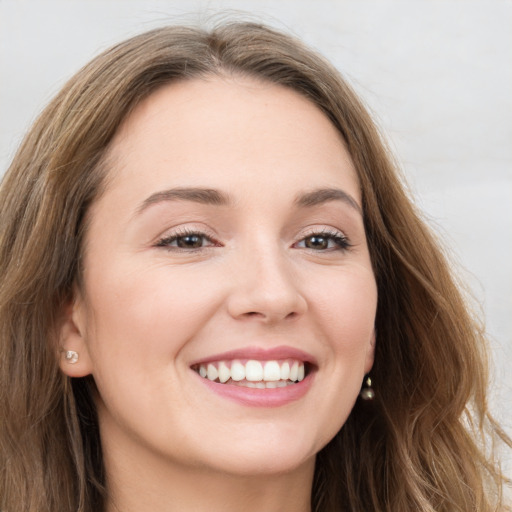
(205, 249)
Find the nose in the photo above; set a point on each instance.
(265, 288)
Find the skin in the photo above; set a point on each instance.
(148, 311)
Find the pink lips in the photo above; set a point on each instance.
(270, 397)
(276, 397)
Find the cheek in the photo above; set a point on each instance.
(153, 311)
(346, 309)
(140, 323)
(345, 316)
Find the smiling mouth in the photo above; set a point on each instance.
(254, 373)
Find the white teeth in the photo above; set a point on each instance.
(259, 374)
(294, 371)
(224, 372)
(271, 371)
(237, 371)
(301, 372)
(285, 371)
(212, 372)
(253, 371)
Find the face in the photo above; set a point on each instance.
(227, 313)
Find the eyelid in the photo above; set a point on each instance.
(323, 230)
(182, 231)
(326, 231)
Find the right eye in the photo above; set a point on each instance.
(186, 241)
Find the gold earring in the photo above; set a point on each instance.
(71, 356)
(367, 393)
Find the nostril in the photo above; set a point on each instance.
(257, 314)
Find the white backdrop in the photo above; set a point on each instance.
(436, 74)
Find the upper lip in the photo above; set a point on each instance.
(259, 354)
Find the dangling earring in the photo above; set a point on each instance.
(71, 356)
(367, 392)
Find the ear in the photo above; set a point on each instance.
(370, 353)
(74, 358)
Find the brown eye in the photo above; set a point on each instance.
(190, 241)
(324, 242)
(316, 242)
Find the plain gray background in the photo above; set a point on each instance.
(436, 74)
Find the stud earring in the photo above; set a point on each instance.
(367, 393)
(71, 356)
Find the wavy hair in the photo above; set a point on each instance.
(421, 445)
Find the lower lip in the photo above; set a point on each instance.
(254, 397)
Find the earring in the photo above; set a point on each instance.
(71, 356)
(367, 393)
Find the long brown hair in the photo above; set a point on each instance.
(419, 446)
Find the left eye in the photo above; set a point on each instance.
(186, 241)
(324, 241)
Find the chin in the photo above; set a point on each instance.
(267, 452)
(267, 464)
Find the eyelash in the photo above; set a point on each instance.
(340, 240)
(168, 240)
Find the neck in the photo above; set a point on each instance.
(138, 487)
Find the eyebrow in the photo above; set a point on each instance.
(214, 197)
(324, 195)
(196, 195)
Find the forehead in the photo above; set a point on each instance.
(223, 131)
